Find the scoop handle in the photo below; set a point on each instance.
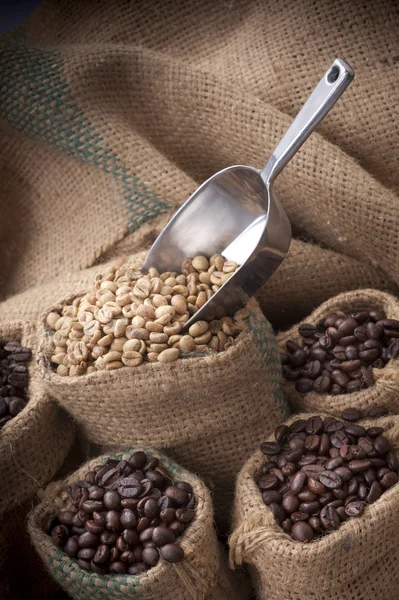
(329, 89)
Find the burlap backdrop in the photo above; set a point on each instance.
(114, 112)
(356, 561)
(208, 412)
(384, 392)
(203, 575)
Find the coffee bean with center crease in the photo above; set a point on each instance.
(346, 348)
(329, 518)
(270, 448)
(330, 479)
(340, 471)
(268, 482)
(109, 536)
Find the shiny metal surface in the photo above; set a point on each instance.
(236, 213)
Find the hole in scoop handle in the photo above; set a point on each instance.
(329, 89)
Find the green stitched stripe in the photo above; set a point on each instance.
(266, 343)
(36, 100)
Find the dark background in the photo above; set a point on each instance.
(14, 12)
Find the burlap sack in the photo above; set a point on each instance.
(384, 392)
(112, 113)
(203, 574)
(209, 412)
(356, 561)
(33, 445)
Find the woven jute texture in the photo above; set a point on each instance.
(209, 412)
(33, 445)
(357, 561)
(384, 392)
(113, 113)
(203, 574)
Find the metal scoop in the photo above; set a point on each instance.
(235, 212)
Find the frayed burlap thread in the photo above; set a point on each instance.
(34, 444)
(203, 575)
(356, 562)
(198, 409)
(384, 391)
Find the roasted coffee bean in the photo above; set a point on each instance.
(332, 425)
(162, 536)
(382, 445)
(268, 482)
(329, 518)
(172, 553)
(281, 433)
(326, 498)
(150, 556)
(299, 516)
(297, 482)
(71, 547)
(102, 555)
(333, 463)
(339, 438)
(271, 496)
(312, 443)
(315, 524)
(278, 511)
(88, 540)
(290, 503)
(84, 564)
(344, 473)
(287, 525)
(298, 426)
(86, 553)
(355, 509)
(265, 469)
(108, 538)
(304, 385)
(388, 480)
(330, 479)
(60, 535)
(312, 470)
(310, 508)
(316, 487)
(392, 461)
(307, 330)
(307, 495)
(340, 494)
(362, 491)
(355, 430)
(322, 384)
(302, 532)
(374, 493)
(93, 527)
(359, 466)
(314, 425)
(270, 448)
(288, 469)
(177, 495)
(324, 444)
